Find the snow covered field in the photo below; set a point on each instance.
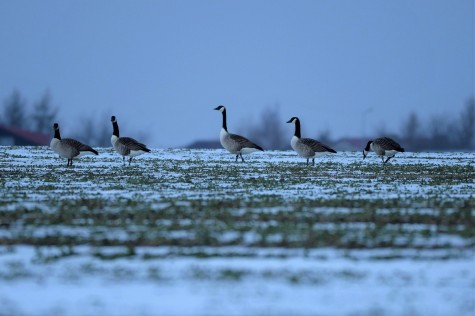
(191, 232)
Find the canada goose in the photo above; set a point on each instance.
(126, 146)
(307, 147)
(68, 147)
(383, 146)
(233, 143)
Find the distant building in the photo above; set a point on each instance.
(200, 144)
(14, 136)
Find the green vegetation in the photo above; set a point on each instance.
(186, 199)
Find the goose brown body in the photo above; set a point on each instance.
(126, 146)
(307, 147)
(383, 146)
(69, 148)
(235, 144)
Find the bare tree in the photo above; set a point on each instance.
(411, 131)
(103, 136)
(466, 125)
(14, 110)
(269, 131)
(95, 133)
(44, 114)
(439, 133)
(325, 137)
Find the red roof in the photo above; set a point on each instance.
(35, 138)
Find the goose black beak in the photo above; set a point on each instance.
(216, 108)
(289, 121)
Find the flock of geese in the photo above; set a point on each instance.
(70, 148)
(238, 145)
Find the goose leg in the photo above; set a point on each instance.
(242, 159)
(313, 161)
(237, 156)
(130, 160)
(123, 160)
(387, 159)
(307, 161)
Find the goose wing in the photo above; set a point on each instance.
(243, 142)
(132, 144)
(316, 145)
(78, 146)
(389, 144)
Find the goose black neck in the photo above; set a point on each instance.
(224, 121)
(56, 133)
(368, 146)
(115, 126)
(297, 129)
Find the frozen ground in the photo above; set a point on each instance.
(191, 232)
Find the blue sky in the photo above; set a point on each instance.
(162, 66)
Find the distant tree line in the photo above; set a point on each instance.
(268, 131)
(41, 114)
(16, 112)
(438, 132)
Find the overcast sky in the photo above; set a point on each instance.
(162, 66)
